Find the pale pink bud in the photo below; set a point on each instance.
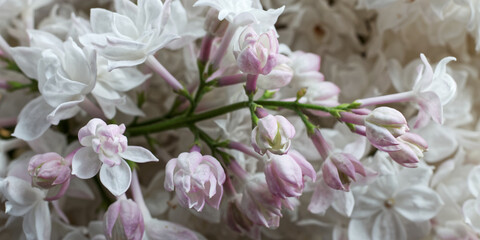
(339, 170)
(240, 223)
(106, 140)
(272, 133)
(198, 180)
(411, 150)
(259, 204)
(214, 26)
(383, 125)
(285, 174)
(257, 54)
(48, 170)
(124, 221)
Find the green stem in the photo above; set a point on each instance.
(183, 121)
(186, 120)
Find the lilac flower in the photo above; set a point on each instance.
(259, 205)
(242, 13)
(339, 168)
(198, 179)
(285, 174)
(127, 37)
(124, 220)
(105, 148)
(256, 54)
(65, 73)
(383, 125)
(411, 149)
(50, 170)
(433, 90)
(23, 200)
(273, 134)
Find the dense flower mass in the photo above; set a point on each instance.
(239, 119)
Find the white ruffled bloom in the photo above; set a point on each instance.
(243, 12)
(127, 37)
(65, 74)
(25, 201)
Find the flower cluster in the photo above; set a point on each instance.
(229, 119)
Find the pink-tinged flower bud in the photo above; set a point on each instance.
(339, 170)
(214, 26)
(240, 223)
(259, 204)
(106, 140)
(48, 170)
(198, 180)
(124, 221)
(285, 174)
(257, 54)
(411, 150)
(383, 126)
(272, 133)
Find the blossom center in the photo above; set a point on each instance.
(389, 203)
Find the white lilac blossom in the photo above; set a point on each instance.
(104, 150)
(65, 73)
(131, 34)
(242, 12)
(394, 200)
(27, 202)
(197, 179)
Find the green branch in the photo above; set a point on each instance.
(163, 124)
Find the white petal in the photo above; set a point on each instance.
(418, 203)
(472, 217)
(408, 177)
(32, 121)
(65, 110)
(27, 59)
(44, 40)
(117, 178)
(76, 64)
(359, 229)
(474, 181)
(43, 225)
(388, 226)
(85, 163)
(158, 229)
(138, 154)
(322, 198)
(344, 203)
(79, 189)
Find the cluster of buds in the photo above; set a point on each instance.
(387, 130)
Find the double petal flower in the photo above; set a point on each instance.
(105, 148)
(126, 38)
(198, 180)
(65, 74)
